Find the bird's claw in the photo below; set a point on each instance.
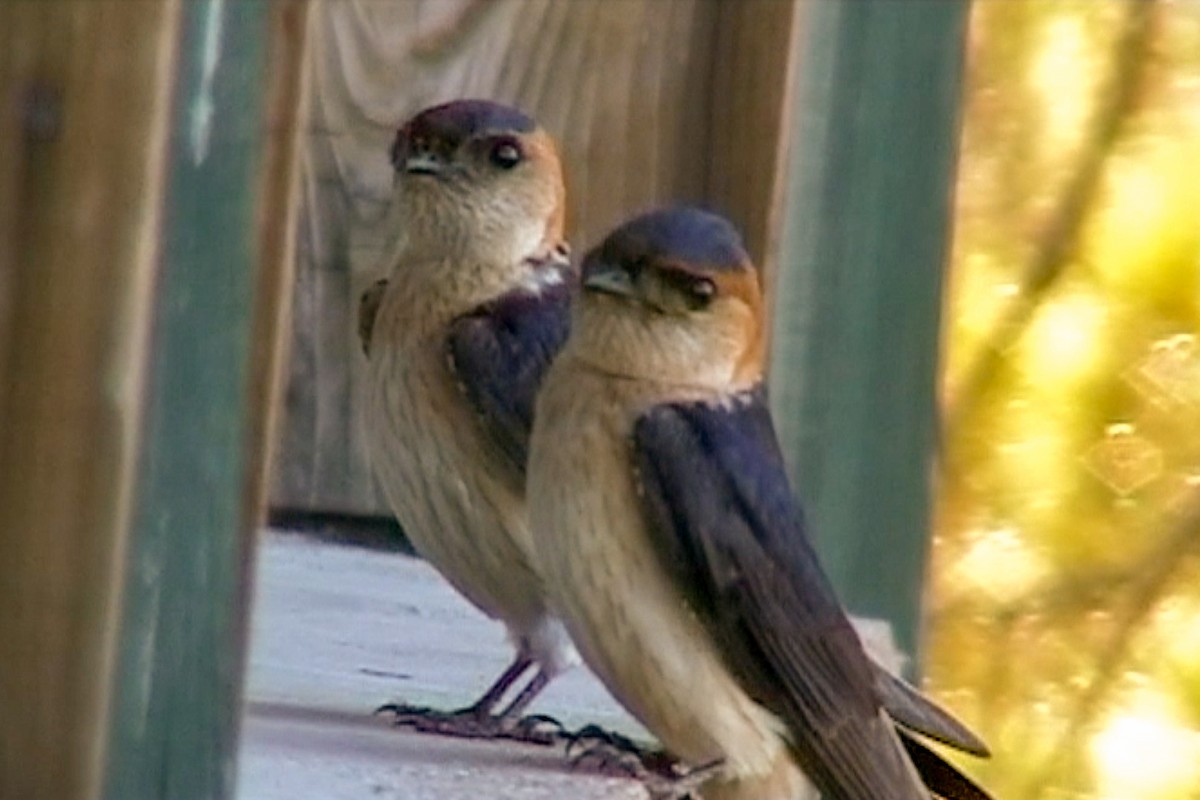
(538, 729)
(468, 723)
(611, 761)
(404, 713)
(596, 735)
(682, 786)
(464, 724)
(618, 756)
(593, 737)
(472, 723)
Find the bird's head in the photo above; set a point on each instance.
(477, 178)
(672, 296)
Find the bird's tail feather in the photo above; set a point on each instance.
(916, 712)
(941, 777)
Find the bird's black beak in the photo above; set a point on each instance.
(609, 279)
(424, 163)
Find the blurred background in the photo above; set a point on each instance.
(1064, 606)
(979, 224)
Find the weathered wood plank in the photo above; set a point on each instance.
(654, 101)
(176, 708)
(754, 71)
(278, 217)
(85, 88)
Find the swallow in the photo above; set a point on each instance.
(457, 337)
(676, 552)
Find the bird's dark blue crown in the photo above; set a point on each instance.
(462, 119)
(682, 233)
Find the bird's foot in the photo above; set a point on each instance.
(684, 785)
(404, 713)
(469, 723)
(539, 729)
(614, 754)
(593, 738)
(473, 723)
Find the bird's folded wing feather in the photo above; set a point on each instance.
(731, 534)
(905, 703)
(499, 353)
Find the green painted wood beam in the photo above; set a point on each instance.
(176, 702)
(857, 305)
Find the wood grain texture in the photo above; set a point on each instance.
(277, 218)
(653, 101)
(757, 50)
(86, 89)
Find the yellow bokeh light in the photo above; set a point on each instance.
(1034, 455)
(1145, 242)
(1177, 626)
(1063, 75)
(1139, 197)
(1065, 343)
(1143, 753)
(999, 563)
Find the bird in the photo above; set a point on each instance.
(457, 336)
(676, 552)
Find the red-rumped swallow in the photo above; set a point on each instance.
(676, 553)
(457, 338)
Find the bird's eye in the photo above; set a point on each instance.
(701, 291)
(506, 154)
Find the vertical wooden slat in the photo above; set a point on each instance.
(857, 312)
(277, 215)
(218, 307)
(751, 88)
(84, 88)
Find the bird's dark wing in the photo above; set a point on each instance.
(498, 354)
(718, 501)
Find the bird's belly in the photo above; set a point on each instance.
(449, 492)
(633, 629)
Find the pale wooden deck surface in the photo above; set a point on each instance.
(336, 632)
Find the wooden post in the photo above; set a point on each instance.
(220, 299)
(84, 114)
(858, 303)
(145, 219)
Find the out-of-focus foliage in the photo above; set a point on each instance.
(1066, 579)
